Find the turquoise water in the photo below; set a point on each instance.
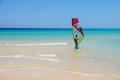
(99, 51)
(93, 37)
(34, 35)
(105, 39)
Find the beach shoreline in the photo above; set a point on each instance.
(50, 54)
(46, 62)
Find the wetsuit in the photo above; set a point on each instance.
(76, 43)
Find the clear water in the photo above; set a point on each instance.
(94, 38)
(34, 35)
(99, 51)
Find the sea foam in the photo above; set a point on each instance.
(34, 44)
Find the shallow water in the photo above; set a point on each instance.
(98, 56)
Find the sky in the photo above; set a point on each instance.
(58, 13)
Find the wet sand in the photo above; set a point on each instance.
(59, 62)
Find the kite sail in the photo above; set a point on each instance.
(77, 30)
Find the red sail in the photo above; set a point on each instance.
(75, 23)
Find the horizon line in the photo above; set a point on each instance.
(54, 28)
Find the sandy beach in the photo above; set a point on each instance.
(56, 62)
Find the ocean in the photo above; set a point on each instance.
(98, 56)
(33, 35)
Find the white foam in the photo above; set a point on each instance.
(53, 60)
(21, 56)
(47, 55)
(49, 59)
(15, 56)
(35, 44)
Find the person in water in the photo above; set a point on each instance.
(76, 43)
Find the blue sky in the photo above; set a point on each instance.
(58, 13)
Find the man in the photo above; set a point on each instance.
(76, 43)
